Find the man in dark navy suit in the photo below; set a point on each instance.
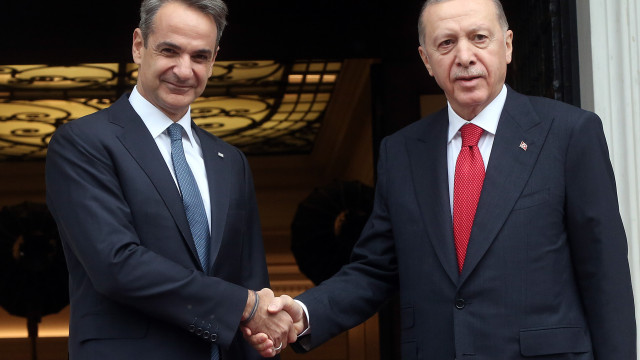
(495, 218)
(158, 217)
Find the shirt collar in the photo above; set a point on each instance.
(155, 120)
(487, 119)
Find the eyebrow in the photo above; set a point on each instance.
(175, 46)
(481, 27)
(448, 32)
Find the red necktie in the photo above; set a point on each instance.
(466, 188)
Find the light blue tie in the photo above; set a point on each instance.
(193, 205)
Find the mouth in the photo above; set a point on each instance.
(468, 76)
(178, 87)
(468, 80)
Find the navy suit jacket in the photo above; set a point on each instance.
(137, 288)
(546, 273)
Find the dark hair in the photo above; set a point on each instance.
(502, 18)
(217, 9)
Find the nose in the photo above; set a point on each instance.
(465, 55)
(182, 68)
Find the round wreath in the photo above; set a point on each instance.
(33, 273)
(326, 226)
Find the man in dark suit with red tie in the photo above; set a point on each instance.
(496, 219)
(158, 217)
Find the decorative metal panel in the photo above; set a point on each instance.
(263, 107)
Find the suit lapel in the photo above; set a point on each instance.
(138, 141)
(428, 157)
(218, 179)
(507, 174)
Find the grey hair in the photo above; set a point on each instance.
(502, 18)
(217, 9)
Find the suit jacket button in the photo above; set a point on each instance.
(205, 334)
(198, 331)
(214, 337)
(192, 328)
(460, 304)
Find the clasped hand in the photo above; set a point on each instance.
(277, 322)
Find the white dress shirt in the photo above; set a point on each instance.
(157, 123)
(487, 119)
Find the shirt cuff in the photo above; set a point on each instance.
(306, 331)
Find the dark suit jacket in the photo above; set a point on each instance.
(546, 273)
(137, 288)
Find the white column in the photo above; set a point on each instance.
(609, 31)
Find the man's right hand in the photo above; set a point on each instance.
(287, 304)
(275, 327)
(280, 305)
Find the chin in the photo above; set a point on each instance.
(473, 98)
(179, 101)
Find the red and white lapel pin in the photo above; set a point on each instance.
(523, 145)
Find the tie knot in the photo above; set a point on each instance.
(175, 132)
(470, 134)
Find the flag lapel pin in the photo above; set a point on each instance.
(523, 145)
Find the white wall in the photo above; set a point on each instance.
(609, 31)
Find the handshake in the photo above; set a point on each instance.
(269, 323)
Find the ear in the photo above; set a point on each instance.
(508, 41)
(213, 61)
(425, 59)
(137, 48)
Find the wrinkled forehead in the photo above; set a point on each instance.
(459, 14)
